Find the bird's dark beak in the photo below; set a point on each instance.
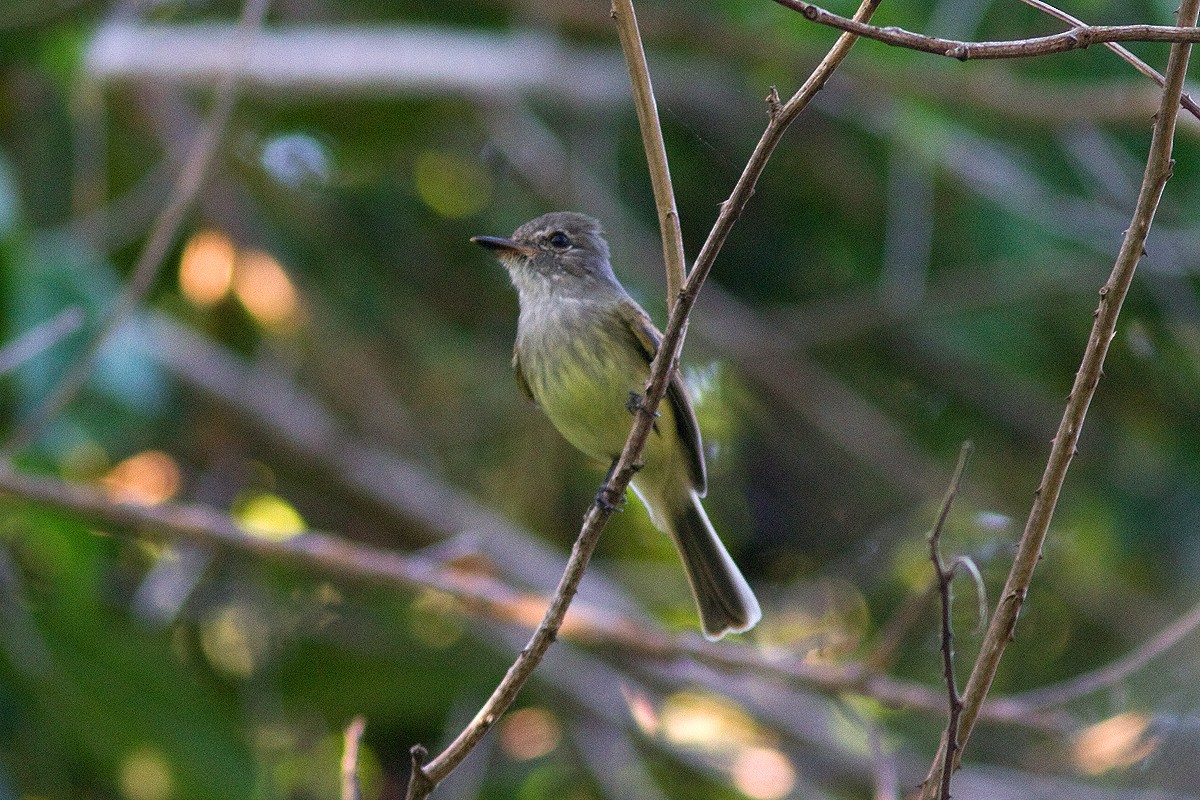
(504, 246)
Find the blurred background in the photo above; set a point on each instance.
(322, 348)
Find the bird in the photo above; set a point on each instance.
(582, 354)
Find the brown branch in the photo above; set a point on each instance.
(487, 597)
(1078, 38)
(150, 260)
(1128, 57)
(945, 576)
(1112, 295)
(652, 142)
(1116, 671)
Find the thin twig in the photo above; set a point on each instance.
(945, 577)
(1078, 38)
(351, 785)
(1128, 57)
(1112, 295)
(162, 235)
(1113, 673)
(652, 142)
(33, 343)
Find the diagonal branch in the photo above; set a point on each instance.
(1116, 671)
(1158, 170)
(162, 235)
(1078, 38)
(489, 598)
(1126, 55)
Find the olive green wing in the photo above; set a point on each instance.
(648, 339)
(519, 374)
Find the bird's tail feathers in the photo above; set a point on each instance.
(724, 599)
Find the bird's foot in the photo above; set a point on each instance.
(605, 502)
(636, 403)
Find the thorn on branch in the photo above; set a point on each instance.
(774, 104)
(637, 403)
(419, 783)
(606, 502)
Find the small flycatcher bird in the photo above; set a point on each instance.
(583, 353)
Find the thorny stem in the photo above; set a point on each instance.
(1078, 38)
(944, 578)
(1112, 295)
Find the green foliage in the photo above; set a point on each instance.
(917, 267)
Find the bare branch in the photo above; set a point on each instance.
(1111, 674)
(1112, 295)
(191, 178)
(944, 578)
(1078, 38)
(652, 141)
(35, 342)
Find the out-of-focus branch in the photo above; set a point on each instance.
(33, 343)
(1113, 673)
(1078, 38)
(351, 740)
(484, 596)
(320, 59)
(1112, 295)
(191, 178)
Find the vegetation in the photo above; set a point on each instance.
(297, 485)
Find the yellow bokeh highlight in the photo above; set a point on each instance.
(706, 721)
(452, 186)
(264, 288)
(763, 773)
(268, 516)
(206, 268)
(529, 733)
(437, 619)
(235, 640)
(1114, 743)
(146, 775)
(148, 478)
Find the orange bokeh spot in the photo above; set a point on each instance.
(264, 288)
(206, 268)
(149, 478)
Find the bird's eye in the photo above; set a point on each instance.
(560, 240)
